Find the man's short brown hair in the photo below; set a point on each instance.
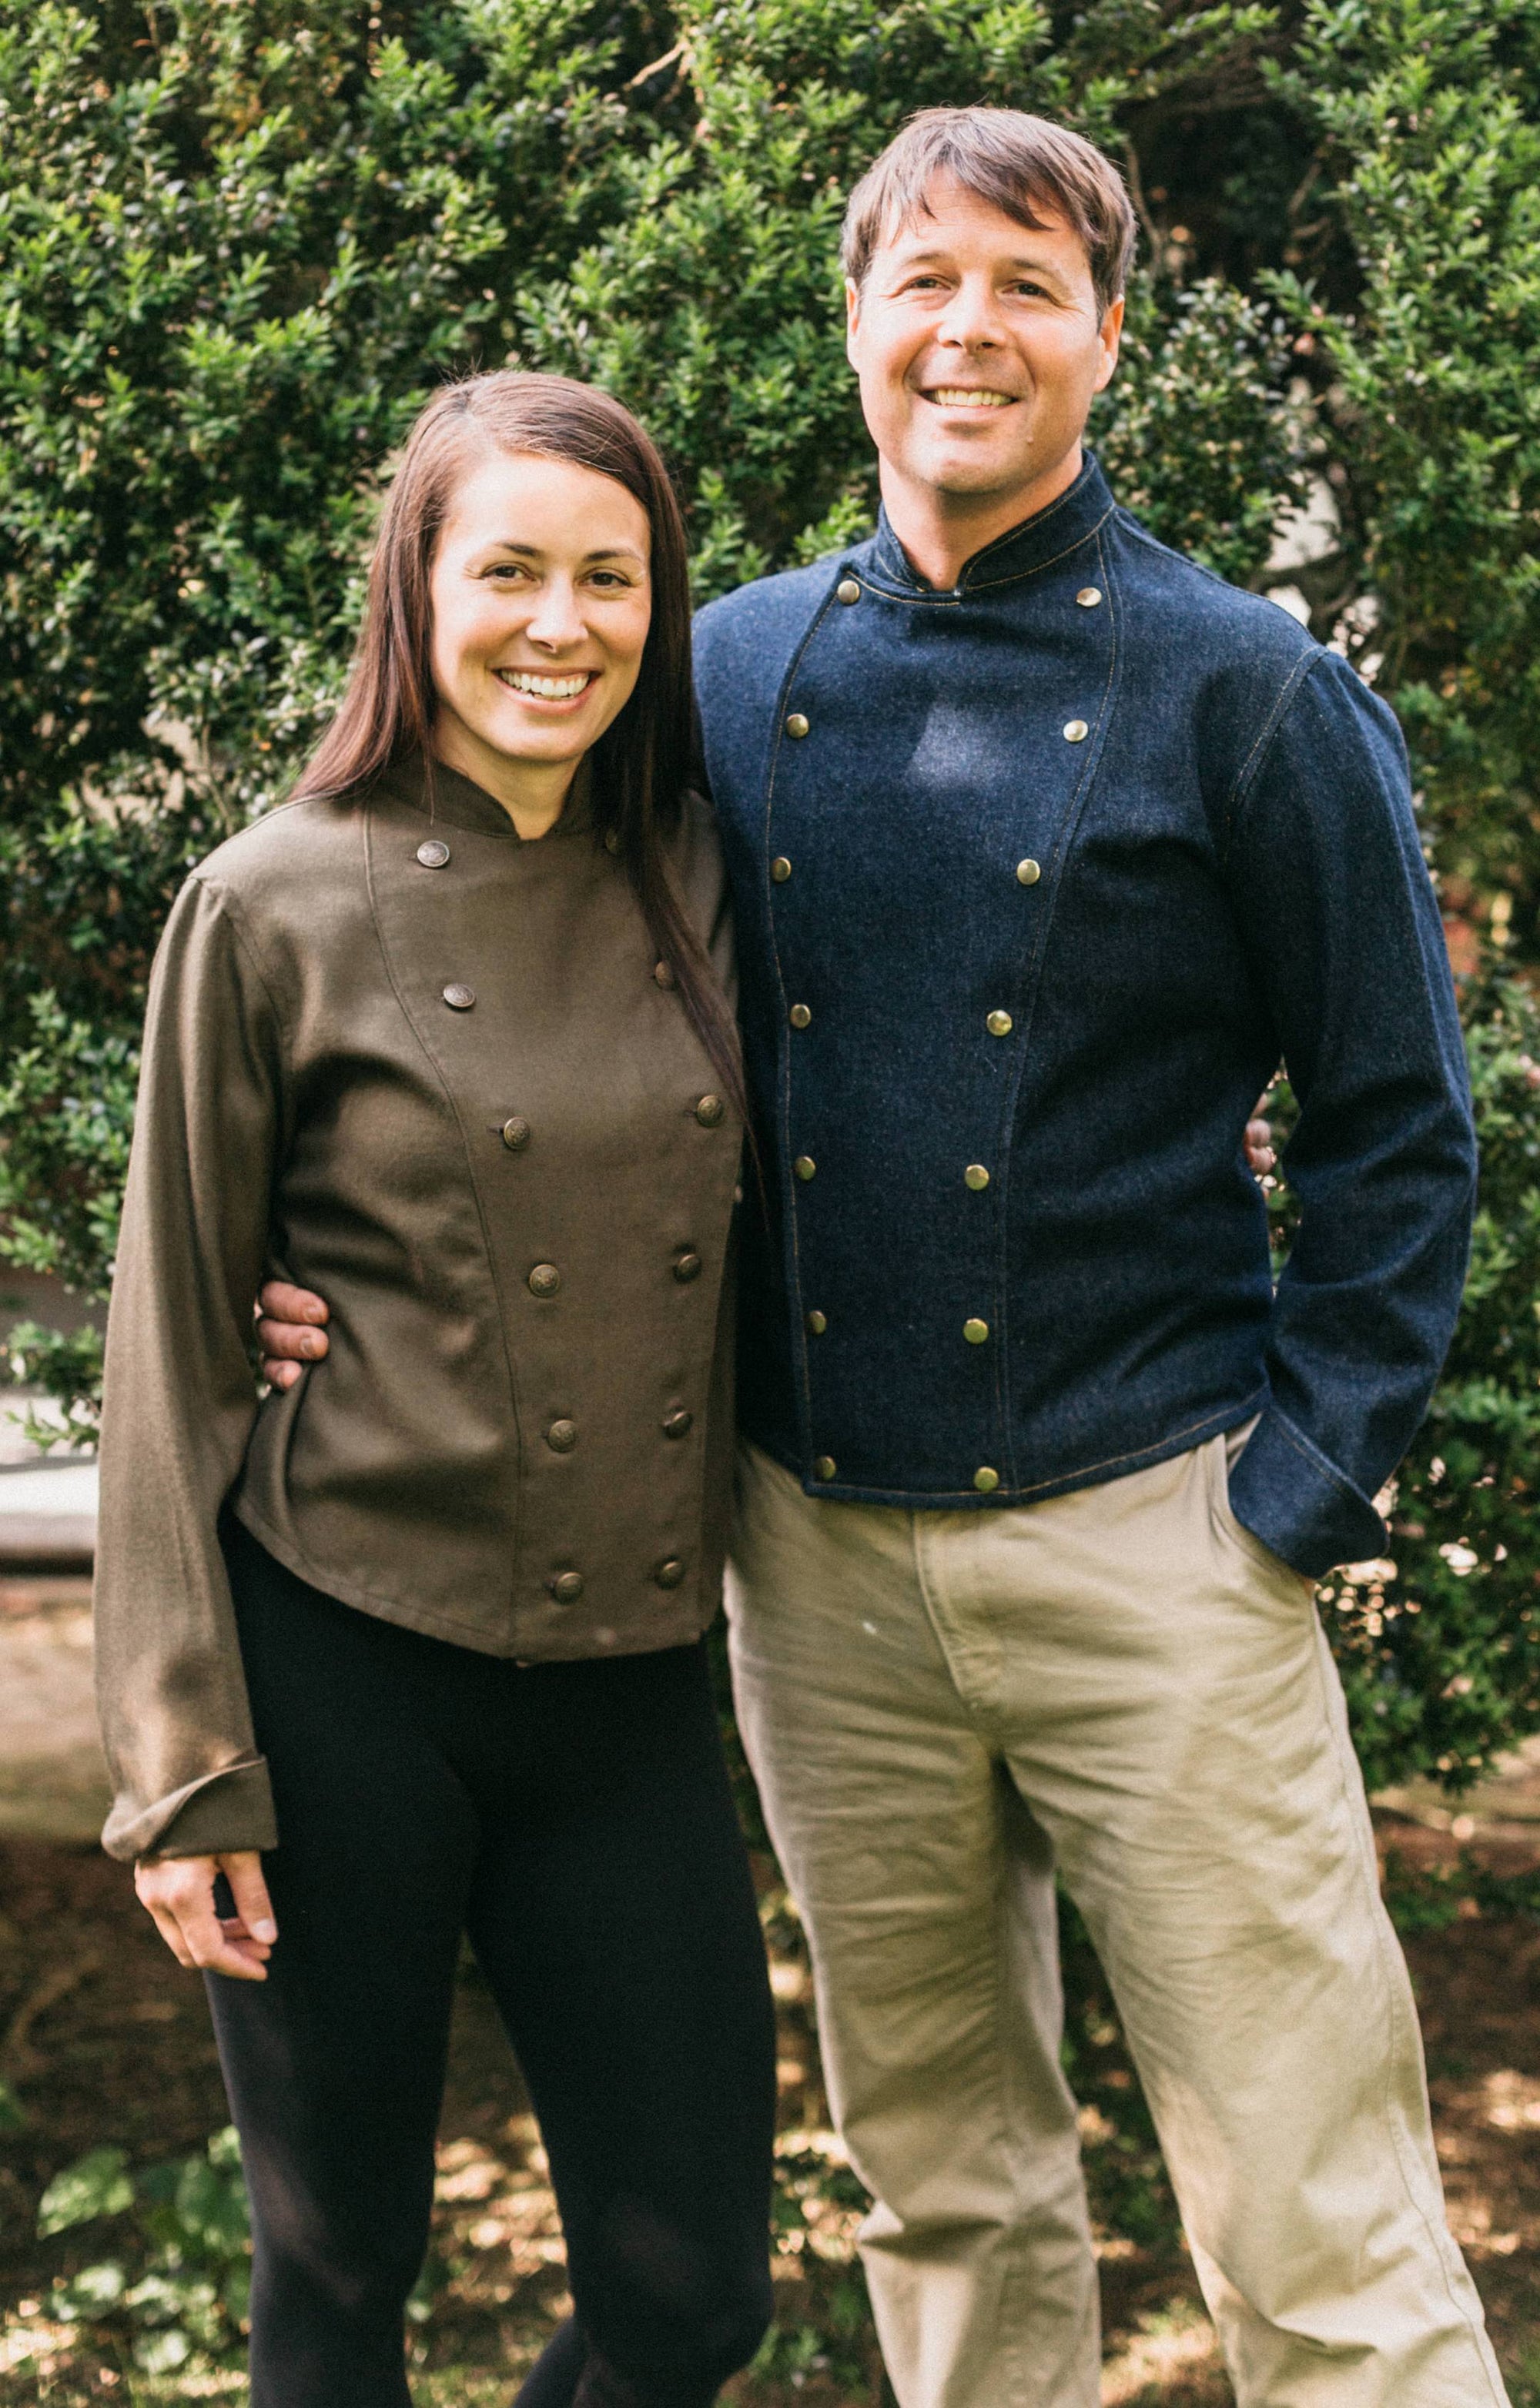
(1021, 164)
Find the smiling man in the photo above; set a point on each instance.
(1047, 846)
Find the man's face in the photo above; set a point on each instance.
(979, 344)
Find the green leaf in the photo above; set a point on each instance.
(95, 2186)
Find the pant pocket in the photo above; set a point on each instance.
(1282, 1577)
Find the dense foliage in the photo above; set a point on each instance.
(238, 246)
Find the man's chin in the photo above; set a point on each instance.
(973, 479)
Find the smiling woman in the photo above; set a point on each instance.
(412, 1648)
(541, 602)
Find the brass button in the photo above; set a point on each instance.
(433, 853)
(664, 976)
(1088, 597)
(670, 1572)
(999, 1024)
(515, 1133)
(817, 1322)
(562, 1436)
(780, 869)
(975, 1331)
(796, 723)
(847, 590)
(1027, 873)
(984, 1480)
(804, 1165)
(679, 1423)
(612, 840)
(566, 1587)
(710, 1110)
(800, 1015)
(823, 1466)
(687, 1268)
(459, 998)
(975, 1176)
(544, 1279)
(1076, 731)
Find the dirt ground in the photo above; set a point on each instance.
(103, 2040)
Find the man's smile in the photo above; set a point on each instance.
(968, 396)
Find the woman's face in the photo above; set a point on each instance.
(541, 602)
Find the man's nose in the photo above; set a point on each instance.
(972, 317)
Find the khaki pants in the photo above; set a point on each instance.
(941, 1708)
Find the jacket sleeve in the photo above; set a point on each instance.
(180, 1399)
(1344, 929)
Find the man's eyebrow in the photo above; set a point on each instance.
(1021, 258)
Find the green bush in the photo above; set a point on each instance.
(238, 246)
(173, 2293)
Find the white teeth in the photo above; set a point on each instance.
(968, 396)
(551, 689)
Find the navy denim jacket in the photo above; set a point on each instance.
(1037, 878)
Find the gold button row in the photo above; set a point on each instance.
(1028, 872)
(797, 725)
(986, 1479)
(566, 1587)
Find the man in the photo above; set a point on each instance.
(1047, 845)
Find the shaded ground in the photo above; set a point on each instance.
(104, 2041)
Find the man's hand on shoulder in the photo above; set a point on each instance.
(290, 1331)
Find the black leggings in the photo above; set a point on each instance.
(575, 1820)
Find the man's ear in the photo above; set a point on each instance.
(1111, 333)
(853, 318)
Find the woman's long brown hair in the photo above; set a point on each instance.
(640, 765)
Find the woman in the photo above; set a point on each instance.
(413, 1647)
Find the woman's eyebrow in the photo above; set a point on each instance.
(533, 551)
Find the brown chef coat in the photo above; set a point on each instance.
(435, 1073)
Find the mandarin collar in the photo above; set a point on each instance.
(1020, 552)
(460, 803)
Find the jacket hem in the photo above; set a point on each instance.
(430, 1623)
(1092, 1475)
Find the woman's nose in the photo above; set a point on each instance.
(556, 619)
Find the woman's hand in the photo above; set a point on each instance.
(290, 1320)
(1259, 1151)
(180, 1893)
(289, 1331)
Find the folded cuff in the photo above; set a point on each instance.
(211, 1817)
(1297, 1502)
